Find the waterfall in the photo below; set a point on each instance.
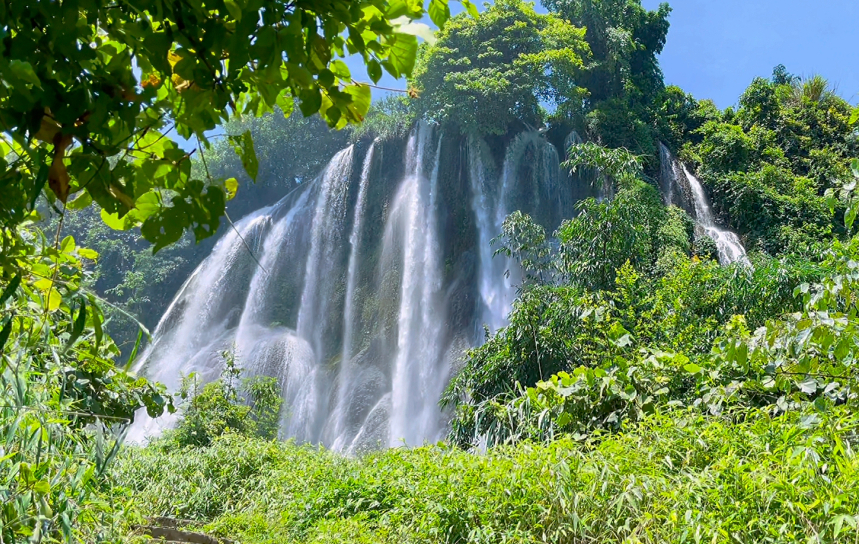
(195, 327)
(493, 200)
(357, 292)
(304, 379)
(417, 382)
(495, 290)
(680, 187)
(728, 244)
(200, 314)
(344, 378)
(572, 139)
(325, 236)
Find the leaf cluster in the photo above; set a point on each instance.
(218, 407)
(65, 405)
(92, 91)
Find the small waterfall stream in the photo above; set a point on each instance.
(680, 187)
(417, 380)
(349, 318)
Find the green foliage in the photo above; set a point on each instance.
(65, 406)
(216, 408)
(489, 73)
(605, 166)
(770, 163)
(847, 194)
(679, 116)
(524, 240)
(605, 235)
(601, 238)
(391, 117)
(800, 358)
(96, 126)
(677, 476)
(625, 39)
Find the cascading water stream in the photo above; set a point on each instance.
(494, 200)
(307, 400)
(415, 376)
(349, 317)
(198, 315)
(728, 244)
(679, 186)
(325, 234)
(432, 376)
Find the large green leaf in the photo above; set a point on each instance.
(403, 54)
(439, 12)
(361, 99)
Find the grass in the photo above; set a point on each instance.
(678, 477)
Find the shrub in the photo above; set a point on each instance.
(218, 407)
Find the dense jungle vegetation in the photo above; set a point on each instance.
(640, 393)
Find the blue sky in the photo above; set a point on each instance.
(716, 48)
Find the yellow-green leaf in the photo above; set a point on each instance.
(361, 99)
(88, 253)
(439, 12)
(67, 245)
(42, 486)
(44, 284)
(234, 9)
(403, 52)
(244, 147)
(115, 222)
(470, 8)
(53, 300)
(231, 185)
(339, 69)
(146, 205)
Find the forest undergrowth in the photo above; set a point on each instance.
(676, 476)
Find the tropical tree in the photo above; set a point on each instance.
(625, 39)
(489, 73)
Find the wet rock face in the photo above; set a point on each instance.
(366, 285)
